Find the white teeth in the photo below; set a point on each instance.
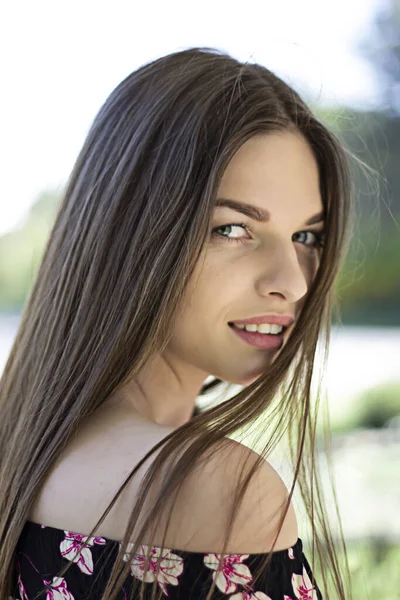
(261, 328)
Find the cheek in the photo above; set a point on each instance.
(206, 304)
(310, 266)
(220, 288)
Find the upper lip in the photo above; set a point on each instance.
(284, 320)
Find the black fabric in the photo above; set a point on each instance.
(43, 551)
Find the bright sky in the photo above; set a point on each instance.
(61, 60)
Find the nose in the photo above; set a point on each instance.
(285, 271)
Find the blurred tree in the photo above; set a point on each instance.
(370, 282)
(21, 251)
(382, 49)
(376, 406)
(369, 285)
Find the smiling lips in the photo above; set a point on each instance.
(262, 341)
(272, 319)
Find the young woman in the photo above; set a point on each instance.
(200, 234)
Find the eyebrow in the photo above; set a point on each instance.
(259, 214)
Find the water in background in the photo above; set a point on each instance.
(365, 465)
(359, 357)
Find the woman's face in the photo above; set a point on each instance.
(252, 268)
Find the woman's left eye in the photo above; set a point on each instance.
(319, 236)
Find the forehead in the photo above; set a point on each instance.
(277, 172)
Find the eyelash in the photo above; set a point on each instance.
(319, 243)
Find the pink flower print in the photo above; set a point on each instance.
(59, 589)
(291, 555)
(250, 596)
(171, 565)
(21, 589)
(233, 571)
(71, 545)
(302, 586)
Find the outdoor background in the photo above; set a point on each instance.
(59, 63)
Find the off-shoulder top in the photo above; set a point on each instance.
(43, 551)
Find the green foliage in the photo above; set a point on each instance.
(21, 251)
(371, 409)
(376, 406)
(374, 569)
(369, 285)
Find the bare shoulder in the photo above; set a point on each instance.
(97, 465)
(200, 515)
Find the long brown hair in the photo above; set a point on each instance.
(132, 222)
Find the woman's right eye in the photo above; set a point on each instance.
(214, 232)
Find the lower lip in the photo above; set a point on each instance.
(262, 341)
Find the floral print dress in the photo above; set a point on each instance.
(42, 552)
